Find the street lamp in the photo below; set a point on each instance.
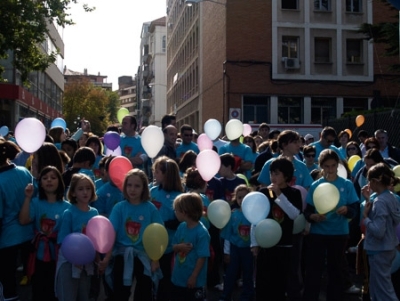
(191, 2)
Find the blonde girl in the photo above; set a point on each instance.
(73, 282)
(130, 218)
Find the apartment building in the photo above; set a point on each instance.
(292, 62)
(152, 73)
(42, 99)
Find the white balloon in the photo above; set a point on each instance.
(219, 213)
(268, 233)
(255, 207)
(246, 129)
(342, 172)
(212, 128)
(299, 224)
(30, 134)
(115, 152)
(152, 140)
(234, 129)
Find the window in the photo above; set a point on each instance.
(289, 4)
(354, 6)
(322, 109)
(353, 51)
(322, 5)
(289, 47)
(290, 110)
(355, 104)
(164, 43)
(322, 50)
(255, 109)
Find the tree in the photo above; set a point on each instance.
(83, 99)
(384, 33)
(113, 105)
(24, 27)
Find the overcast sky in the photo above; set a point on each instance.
(107, 40)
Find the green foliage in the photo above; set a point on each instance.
(24, 27)
(81, 98)
(384, 33)
(113, 105)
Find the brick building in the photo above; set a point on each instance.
(281, 62)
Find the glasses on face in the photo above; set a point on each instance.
(310, 155)
(351, 149)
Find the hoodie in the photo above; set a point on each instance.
(381, 223)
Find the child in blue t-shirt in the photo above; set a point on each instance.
(73, 282)
(191, 245)
(166, 174)
(237, 249)
(130, 219)
(46, 212)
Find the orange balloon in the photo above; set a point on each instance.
(348, 131)
(360, 120)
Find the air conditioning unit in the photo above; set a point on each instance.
(291, 63)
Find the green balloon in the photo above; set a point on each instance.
(122, 112)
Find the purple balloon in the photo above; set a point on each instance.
(78, 249)
(111, 140)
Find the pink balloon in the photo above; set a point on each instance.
(203, 142)
(101, 232)
(246, 129)
(208, 164)
(304, 193)
(119, 166)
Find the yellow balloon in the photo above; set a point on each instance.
(326, 197)
(360, 120)
(396, 171)
(122, 112)
(155, 240)
(352, 161)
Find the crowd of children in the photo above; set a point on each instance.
(40, 208)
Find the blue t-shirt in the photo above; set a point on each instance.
(164, 200)
(183, 148)
(335, 224)
(47, 219)
(75, 220)
(242, 151)
(130, 221)
(107, 196)
(301, 174)
(185, 264)
(237, 231)
(131, 146)
(319, 148)
(13, 180)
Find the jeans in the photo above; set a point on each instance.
(239, 258)
(72, 289)
(319, 248)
